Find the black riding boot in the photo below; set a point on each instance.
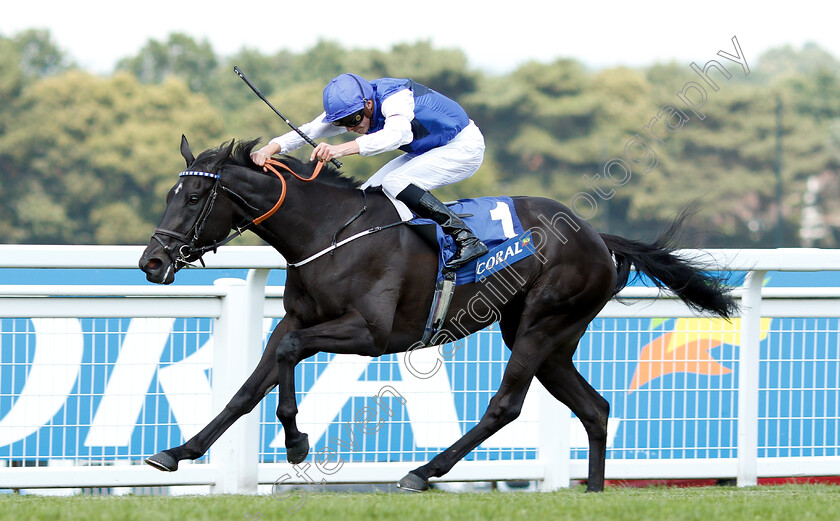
(424, 204)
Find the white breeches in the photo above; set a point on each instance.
(447, 164)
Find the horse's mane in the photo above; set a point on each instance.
(241, 156)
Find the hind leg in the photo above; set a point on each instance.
(536, 342)
(539, 332)
(551, 317)
(503, 408)
(560, 377)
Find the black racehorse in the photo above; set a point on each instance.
(372, 296)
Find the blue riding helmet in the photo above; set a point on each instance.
(345, 95)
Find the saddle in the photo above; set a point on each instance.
(494, 221)
(491, 219)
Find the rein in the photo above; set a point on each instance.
(269, 165)
(188, 240)
(188, 247)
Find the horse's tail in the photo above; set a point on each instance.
(700, 290)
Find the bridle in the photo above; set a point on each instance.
(189, 239)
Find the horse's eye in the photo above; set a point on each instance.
(193, 199)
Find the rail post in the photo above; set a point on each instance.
(237, 344)
(749, 358)
(554, 443)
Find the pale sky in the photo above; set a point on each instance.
(496, 36)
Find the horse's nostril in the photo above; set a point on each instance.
(153, 264)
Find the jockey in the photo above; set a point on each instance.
(441, 144)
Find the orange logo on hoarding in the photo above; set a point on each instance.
(686, 348)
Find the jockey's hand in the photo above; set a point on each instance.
(325, 151)
(260, 156)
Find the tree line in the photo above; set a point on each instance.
(88, 159)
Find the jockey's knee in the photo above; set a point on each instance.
(393, 187)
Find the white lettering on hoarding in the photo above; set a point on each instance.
(59, 346)
(139, 357)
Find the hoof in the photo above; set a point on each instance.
(413, 483)
(163, 461)
(297, 453)
(594, 487)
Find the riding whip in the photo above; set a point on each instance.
(284, 118)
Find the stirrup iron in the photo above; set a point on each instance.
(440, 307)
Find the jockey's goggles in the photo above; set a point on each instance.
(350, 120)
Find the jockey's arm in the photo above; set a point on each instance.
(292, 141)
(398, 110)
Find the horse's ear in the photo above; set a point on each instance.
(185, 151)
(222, 157)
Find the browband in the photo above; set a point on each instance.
(200, 174)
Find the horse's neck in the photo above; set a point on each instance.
(311, 213)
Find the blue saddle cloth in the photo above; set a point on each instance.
(493, 220)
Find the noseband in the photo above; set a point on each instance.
(189, 239)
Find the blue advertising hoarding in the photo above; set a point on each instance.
(103, 389)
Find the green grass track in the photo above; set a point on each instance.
(769, 503)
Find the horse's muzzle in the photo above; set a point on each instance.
(157, 266)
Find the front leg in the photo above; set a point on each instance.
(261, 381)
(348, 334)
